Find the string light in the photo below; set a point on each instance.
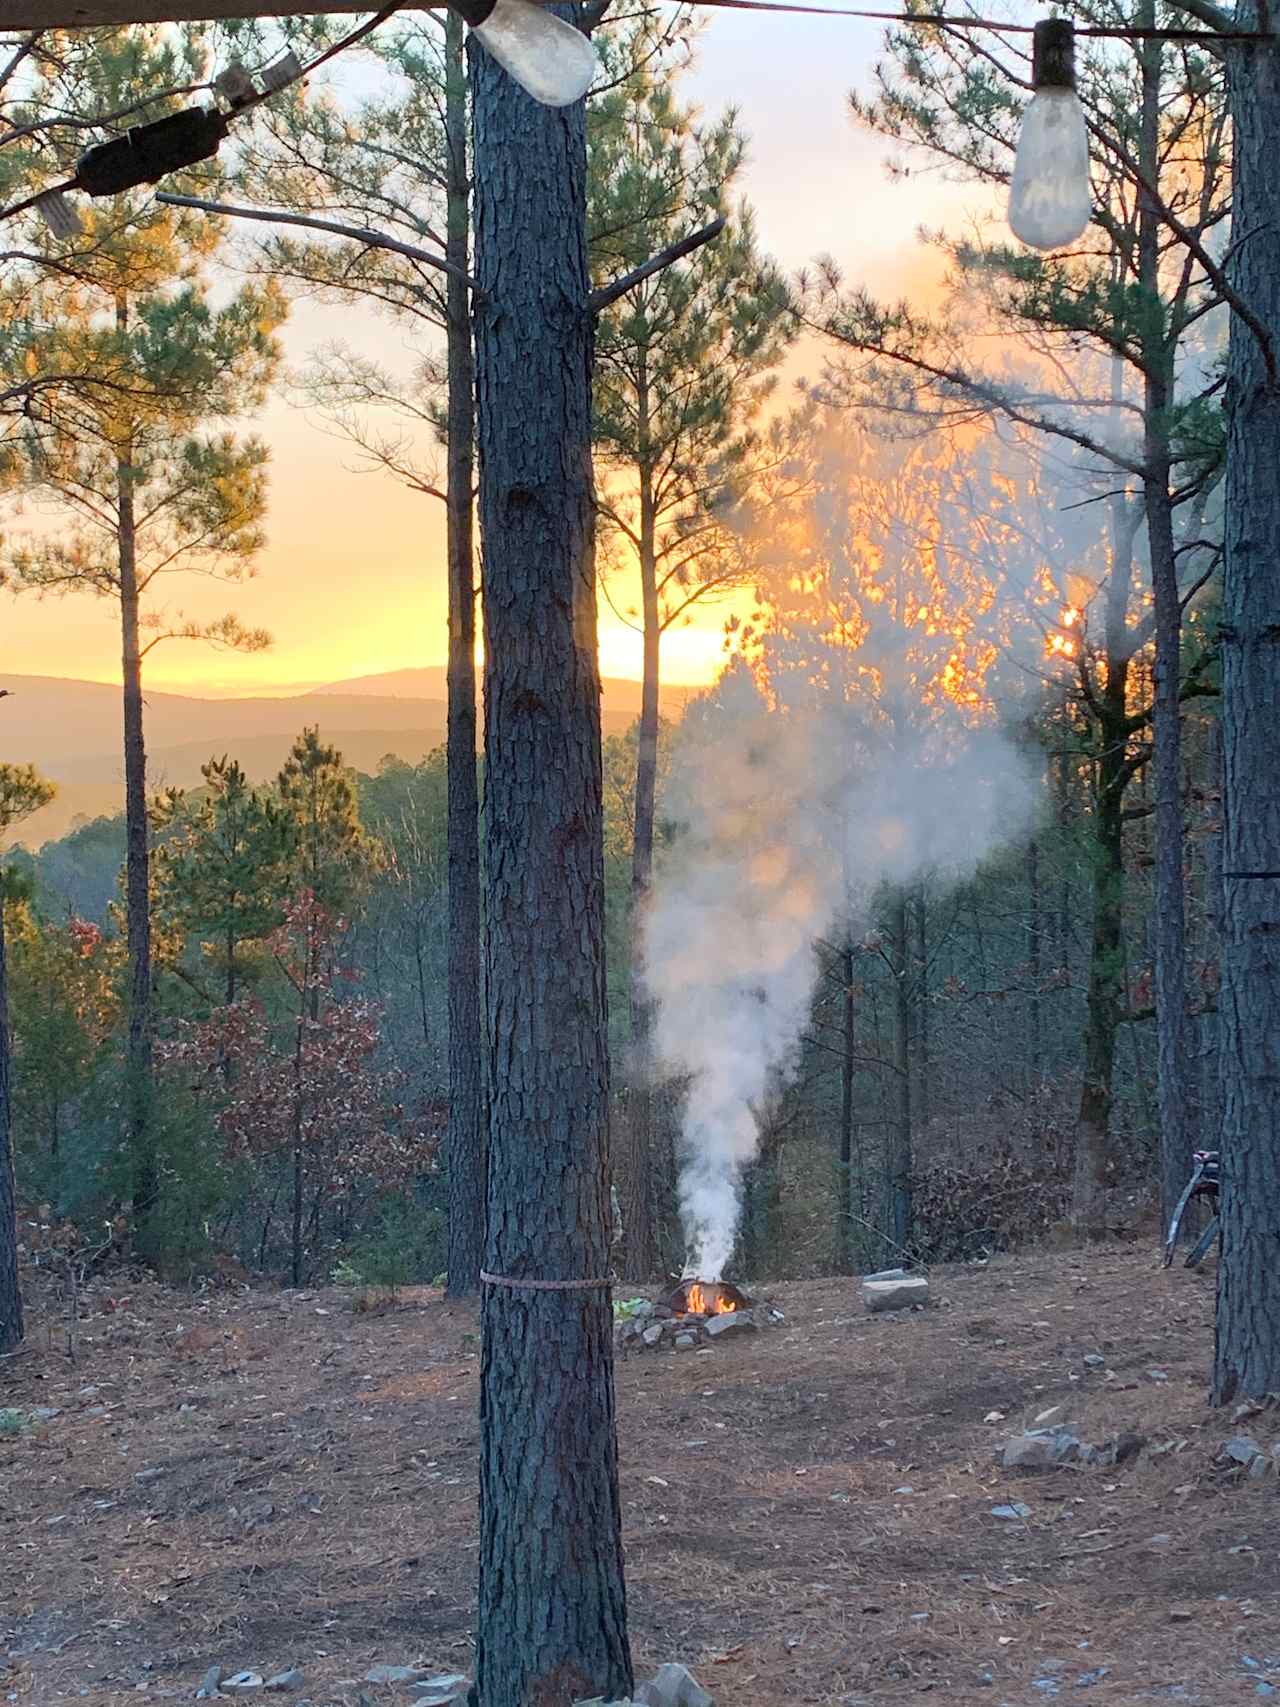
(1050, 204)
(549, 58)
(556, 63)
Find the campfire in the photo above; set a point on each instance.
(706, 1298)
(696, 1314)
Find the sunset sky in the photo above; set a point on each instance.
(352, 580)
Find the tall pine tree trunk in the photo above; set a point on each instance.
(1247, 1360)
(1035, 1050)
(1114, 770)
(143, 1165)
(901, 1160)
(1170, 901)
(845, 1253)
(636, 1174)
(552, 1624)
(466, 1057)
(11, 1328)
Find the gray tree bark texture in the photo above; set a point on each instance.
(465, 1153)
(1247, 1360)
(1170, 909)
(552, 1624)
(143, 1166)
(11, 1326)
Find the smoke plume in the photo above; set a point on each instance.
(789, 816)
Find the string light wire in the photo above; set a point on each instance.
(379, 18)
(796, 8)
(941, 20)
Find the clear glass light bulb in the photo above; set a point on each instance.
(1049, 199)
(554, 62)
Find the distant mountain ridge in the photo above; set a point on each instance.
(70, 730)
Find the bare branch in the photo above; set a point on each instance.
(356, 233)
(600, 299)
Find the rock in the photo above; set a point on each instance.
(672, 1686)
(442, 1689)
(731, 1319)
(1009, 1513)
(652, 1334)
(1181, 1615)
(1040, 1449)
(1157, 1375)
(243, 1683)
(1241, 1449)
(209, 1688)
(395, 1674)
(1094, 1360)
(290, 1679)
(685, 1340)
(895, 1294)
(886, 1274)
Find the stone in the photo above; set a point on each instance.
(209, 1688)
(886, 1274)
(441, 1690)
(1241, 1449)
(652, 1334)
(672, 1686)
(243, 1683)
(395, 1674)
(1009, 1513)
(1094, 1360)
(895, 1294)
(685, 1341)
(742, 1319)
(1040, 1449)
(290, 1679)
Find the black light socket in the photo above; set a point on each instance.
(1053, 54)
(472, 12)
(150, 152)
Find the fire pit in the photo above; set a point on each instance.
(706, 1298)
(696, 1314)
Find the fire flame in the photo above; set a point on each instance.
(699, 1303)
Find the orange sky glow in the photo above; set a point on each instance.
(352, 581)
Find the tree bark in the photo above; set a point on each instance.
(143, 1165)
(844, 1201)
(635, 1176)
(465, 1155)
(1035, 1052)
(552, 1625)
(1114, 771)
(901, 1160)
(1170, 903)
(1247, 1358)
(11, 1325)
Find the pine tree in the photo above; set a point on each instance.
(148, 482)
(22, 791)
(218, 865)
(328, 857)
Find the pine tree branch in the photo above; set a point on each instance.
(601, 299)
(356, 233)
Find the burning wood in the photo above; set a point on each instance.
(696, 1313)
(706, 1298)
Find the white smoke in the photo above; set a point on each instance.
(789, 817)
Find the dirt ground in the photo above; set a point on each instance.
(259, 1479)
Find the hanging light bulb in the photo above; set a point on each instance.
(1049, 198)
(550, 59)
